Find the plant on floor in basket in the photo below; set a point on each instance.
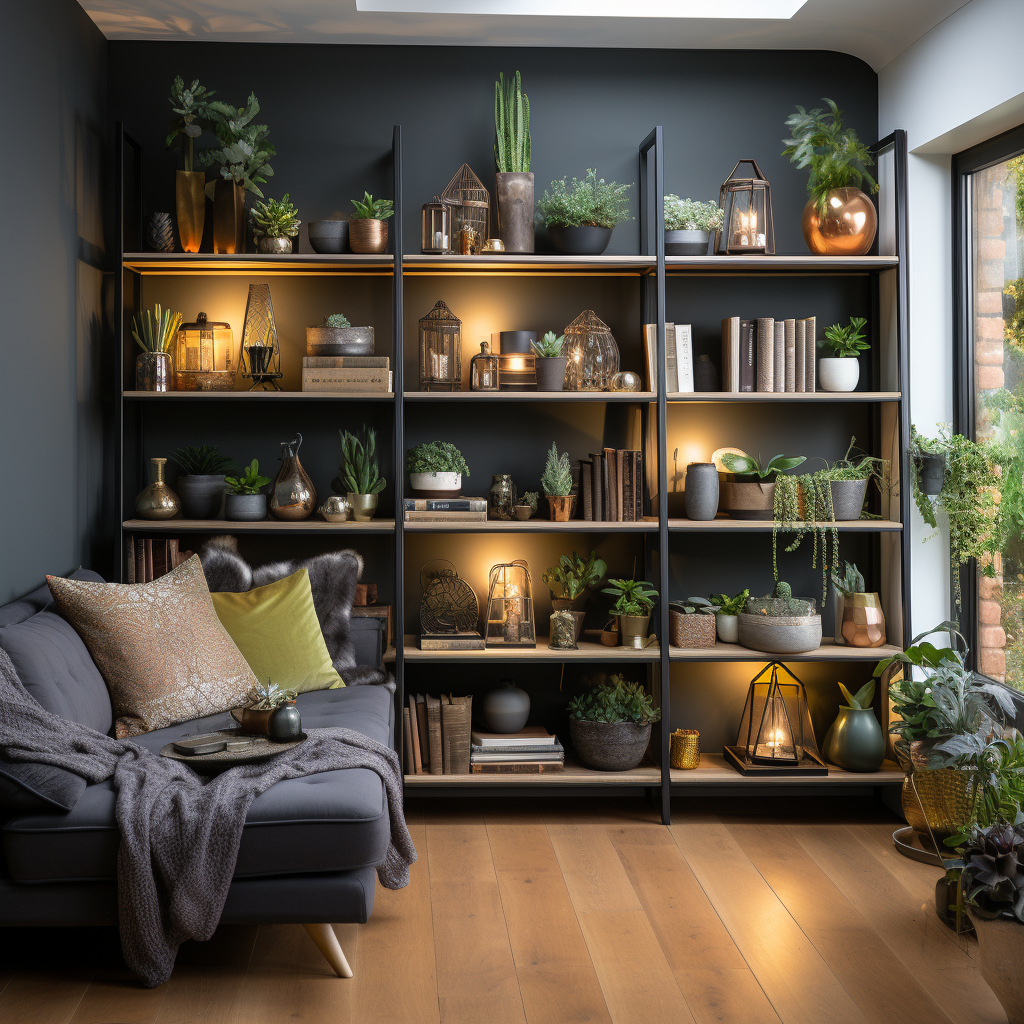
(556, 483)
(244, 501)
(581, 216)
(367, 227)
(275, 222)
(841, 370)
(688, 225)
(201, 482)
(780, 623)
(610, 724)
(727, 610)
(634, 600)
(436, 466)
(550, 362)
(360, 479)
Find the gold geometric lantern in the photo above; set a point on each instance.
(440, 350)
(747, 214)
(510, 606)
(593, 355)
(204, 356)
(471, 206)
(260, 355)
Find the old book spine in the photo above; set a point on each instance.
(731, 354)
(434, 735)
(748, 356)
(129, 557)
(453, 643)
(810, 341)
(346, 380)
(597, 483)
(410, 761)
(611, 488)
(346, 362)
(625, 459)
(671, 361)
(173, 557)
(414, 732)
(684, 357)
(517, 768)
(444, 504)
(424, 732)
(650, 353)
(149, 561)
(446, 517)
(765, 354)
(639, 485)
(455, 717)
(790, 356)
(800, 369)
(779, 357)
(586, 490)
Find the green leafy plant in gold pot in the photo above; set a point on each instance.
(634, 601)
(368, 225)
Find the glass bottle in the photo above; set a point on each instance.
(157, 500)
(483, 369)
(502, 497)
(292, 494)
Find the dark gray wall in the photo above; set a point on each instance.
(53, 77)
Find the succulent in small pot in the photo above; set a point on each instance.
(688, 225)
(610, 724)
(634, 600)
(751, 495)
(556, 483)
(841, 370)
(270, 710)
(275, 222)
(436, 467)
(202, 480)
(692, 623)
(244, 501)
(550, 362)
(367, 228)
(359, 478)
(780, 623)
(859, 621)
(727, 610)
(580, 217)
(337, 337)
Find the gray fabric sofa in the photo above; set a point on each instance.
(308, 846)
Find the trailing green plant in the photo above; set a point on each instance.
(274, 218)
(572, 576)
(613, 702)
(267, 696)
(592, 202)
(748, 469)
(369, 208)
(511, 125)
(201, 460)
(632, 597)
(836, 158)
(550, 346)
(435, 457)
(851, 582)
(731, 605)
(780, 603)
(993, 872)
(244, 152)
(359, 472)
(862, 699)
(847, 341)
(337, 320)
(691, 215)
(196, 110)
(556, 480)
(248, 481)
(153, 330)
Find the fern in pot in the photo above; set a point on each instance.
(436, 469)
(610, 724)
(360, 480)
(201, 483)
(688, 226)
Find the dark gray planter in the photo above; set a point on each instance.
(701, 494)
(328, 236)
(202, 497)
(931, 473)
(848, 498)
(581, 241)
(551, 373)
(245, 508)
(686, 243)
(516, 342)
(854, 741)
(339, 341)
(506, 708)
(609, 747)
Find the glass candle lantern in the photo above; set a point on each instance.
(437, 227)
(260, 355)
(440, 350)
(483, 369)
(517, 371)
(204, 356)
(471, 205)
(510, 606)
(592, 354)
(747, 214)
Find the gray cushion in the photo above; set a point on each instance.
(27, 787)
(332, 821)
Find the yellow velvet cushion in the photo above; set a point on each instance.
(278, 633)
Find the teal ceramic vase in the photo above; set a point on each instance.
(855, 741)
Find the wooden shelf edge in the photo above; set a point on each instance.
(771, 264)
(532, 526)
(766, 525)
(828, 651)
(259, 396)
(587, 651)
(262, 526)
(531, 396)
(784, 396)
(715, 771)
(573, 775)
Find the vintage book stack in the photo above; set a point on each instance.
(612, 486)
(768, 355)
(531, 751)
(678, 357)
(147, 559)
(437, 731)
(347, 374)
(445, 510)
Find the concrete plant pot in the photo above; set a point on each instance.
(609, 746)
(202, 495)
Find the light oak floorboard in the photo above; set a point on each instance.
(118, 997)
(37, 998)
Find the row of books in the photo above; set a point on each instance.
(531, 751)
(147, 559)
(678, 357)
(437, 734)
(359, 374)
(612, 486)
(768, 355)
(445, 510)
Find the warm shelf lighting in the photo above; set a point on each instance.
(755, 10)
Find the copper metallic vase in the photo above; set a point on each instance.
(845, 227)
(190, 198)
(860, 620)
(367, 235)
(292, 494)
(228, 217)
(157, 500)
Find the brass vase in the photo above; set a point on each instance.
(190, 197)
(845, 227)
(228, 217)
(292, 494)
(157, 500)
(367, 235)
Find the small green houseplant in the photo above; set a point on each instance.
(840, 371)
(780, 623)
(368, 227)
(581, 216)
(436, 466)
(550, 362)
(556, 483)
(201, 481)
(360, 480)
(854, 741)
(275, 222)
(610, 724)
(727, 610)
(634, 601)
(859, 619)
(572, 577)
(688, 225)
(692, 623)
(751, 492)
(243, 155)
(244, 501)
(512, 152)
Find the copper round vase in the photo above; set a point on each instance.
(292, 494)
(367, 235)
(845, 226)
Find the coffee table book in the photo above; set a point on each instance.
(517, 768)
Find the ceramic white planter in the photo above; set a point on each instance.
(838, 374)
(436, 482)
(728, 628)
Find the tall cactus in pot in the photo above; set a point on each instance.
(514, 180)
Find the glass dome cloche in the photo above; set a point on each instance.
(593, 355)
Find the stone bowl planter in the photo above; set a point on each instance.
(245, 508)
(328, 237)
(339, 341)
(838, 373)
(580, 241)
(686, 243)
(780, 634)
(609, 746)
(436, 485)
(743, 500)
(202, 495)
(848, 498)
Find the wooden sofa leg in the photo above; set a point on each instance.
(327, 942)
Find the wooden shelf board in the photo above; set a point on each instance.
(183, 263)
(714, 771)
(263, 526)
(765, 525)
(828, 651)
(259, 396)
(774, 264)
(530, 396)
(511, 264)
(784, 396)
(532, 526)
(573, 775)
(588, 651)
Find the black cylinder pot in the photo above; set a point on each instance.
(580, 241)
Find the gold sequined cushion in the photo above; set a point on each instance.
(159, 646)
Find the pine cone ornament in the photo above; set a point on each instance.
(160, 232)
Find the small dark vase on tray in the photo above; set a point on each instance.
(285, 723)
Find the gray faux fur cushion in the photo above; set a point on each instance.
(332, 577)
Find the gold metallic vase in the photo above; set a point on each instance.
(292, 494)
(684, 751)
(228, 217)
(845, 227)
(157, 501)
(190, 199)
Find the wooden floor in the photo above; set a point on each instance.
(556, 911)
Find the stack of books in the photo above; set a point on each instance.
(612, 486)
(768, 355)
(445, 510)
(347, 374)
(148, 559)
(678, 357)
(436, 734)
(531, 751)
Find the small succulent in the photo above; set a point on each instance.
(993, 873)
(550, 346)
(359, 472)
(691, 215)
(201, 460)
(731, 605)
(336, 320)
(851, 582)
(846, 342)
(632, 597)
(274, 218)
(248, 481)
(369, 208)
(613, 702)
(556, 481)
(780, 604)
(267, 696)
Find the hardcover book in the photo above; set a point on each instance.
(517, 768)
(801, 355)
(451, 642)
(731, 354)
(684, 357)
(346, 362)
(748, 354)
(444, 504)
(765, 354)
(790, 356)
(779, 360)
(810, 343)
(355, 380)
(446, 517)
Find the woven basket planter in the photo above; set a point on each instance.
(696, 630)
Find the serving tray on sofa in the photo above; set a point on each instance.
(257, 751)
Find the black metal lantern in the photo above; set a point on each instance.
(260, 355)
(437, 227)
(440, 350)
(746, 214)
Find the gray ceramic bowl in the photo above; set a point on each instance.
(339, 341)
(328, 236)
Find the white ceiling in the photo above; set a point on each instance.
(874, 30)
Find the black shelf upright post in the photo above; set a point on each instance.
(398, 378)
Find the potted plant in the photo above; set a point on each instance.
(337, 337)
(242, 157)
(275, 222)
(610, 724)
(550, 362)
(270, 711)
(860, 621)
(841, 370)
(513, 181)
(580, 217)
(780, 623)
(368, 225)
(556, 483)
(359, 478)
(692, 623)
(153, 331)
(245, 501)
(930, 470)
(751, 492)
(854, 741)
(634, 600)
(436, 468)
(569, 582)
(688, 225)
(526, 506)
(201, 483)
(727, 610)
(839, 219)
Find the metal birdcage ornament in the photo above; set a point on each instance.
(746, 214)
(260, 355)
(593, 355)
(436, 236)
(440, 350)
(471, 211)
(510, 606)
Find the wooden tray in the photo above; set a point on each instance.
(261, 749)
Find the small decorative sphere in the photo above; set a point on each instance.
(625, 380)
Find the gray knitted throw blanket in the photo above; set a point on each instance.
(179, 834)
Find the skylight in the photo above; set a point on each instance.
(754, 10)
